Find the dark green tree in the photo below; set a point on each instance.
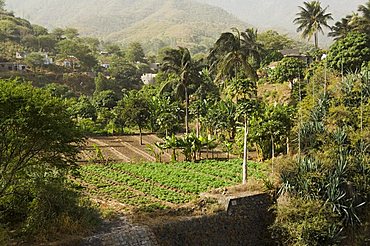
(288, 69)
(81, 51)
(231, 52)
(136, 111)
(187, 71)
(101, 83)
(39, 147)
(135, 52)
(350, 53)
(35, 60)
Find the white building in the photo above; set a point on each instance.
(148, 78)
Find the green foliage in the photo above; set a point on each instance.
(136, 110)
(302, 222)
(39, 143)
(126, 75)
(101, 83)
(232, 54)
(350, 53)
(34, 60)
(105, 99)
(288, 69)
(75, 47)
(271, 127)
(60, 90)
(332, 169)
(135, 52)
(272, 40)
(163, 183)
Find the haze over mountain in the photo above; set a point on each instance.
(175, 22)
(279, 14)
(169, 22)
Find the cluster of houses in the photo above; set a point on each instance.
(147, 78)
(19, 64)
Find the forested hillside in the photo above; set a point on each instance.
(154, 23)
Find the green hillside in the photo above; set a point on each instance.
(155, 23)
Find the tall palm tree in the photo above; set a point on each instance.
(230, 59)
(180, 62)
(311, 19)
(230, 54)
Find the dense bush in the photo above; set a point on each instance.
(39, 144)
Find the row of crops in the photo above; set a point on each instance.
(159, 184)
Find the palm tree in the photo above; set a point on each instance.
(180, 62)
(230, 59)
(341, 28)
(311, 19)
(231, 53)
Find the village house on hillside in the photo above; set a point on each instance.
(12, 66)
(47, 60)
(294, 53)
(69, 62)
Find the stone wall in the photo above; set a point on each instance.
(245, 221)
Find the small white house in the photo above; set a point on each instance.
(148, 78)
(47, 60)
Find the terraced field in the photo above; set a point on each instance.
(127, 148)
(160, 185)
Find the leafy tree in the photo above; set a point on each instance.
(70, 33)
(39, 146)
(83, 108)
(125, 75)
(105, 99)
(288, 69)
(180, 63)
(311, 19)
(28, 117)
(78, 49)
(101, 83)
(272, 40)
(58, 33)
(164, 114)
(60, 90)
(135, 52)
(136, 110)
(114, 49)
(39, 30)
(349, 53)
(362, 24)
(47, 42)
(270, 129)
(34, 60)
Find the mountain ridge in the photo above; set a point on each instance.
(173, 22)
(278, 14)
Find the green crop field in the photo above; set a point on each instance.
(162, 185)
